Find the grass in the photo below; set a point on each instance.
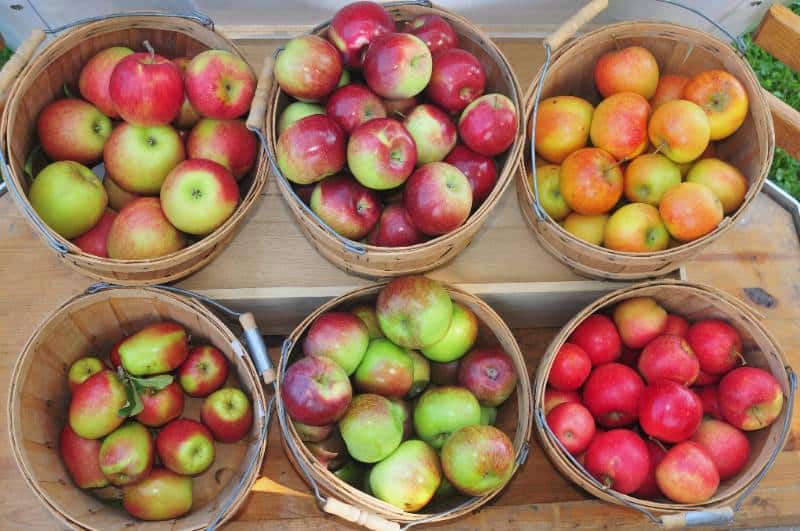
(784, 82)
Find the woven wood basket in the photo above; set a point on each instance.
(369, 260)
(694, 302)
(514, 418)
(39, 397)
(42, 81)
(679, 50)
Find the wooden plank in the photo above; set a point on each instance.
(787, 124)
(779, 34)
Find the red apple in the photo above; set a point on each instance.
(704, 378)
(629, 69)
(316, 391)
(386, 370)
(591, 184)
(554, 397)
(400, 108)
(81, 457)
(142, 231)
(619, 125)
(750, 398)
(572, 425)
(94, 408)
(709, 398)
(433, 131)
(203, 372)
(311, 149)
(728, 447)
(219, 84)
(114, 357)
(488, 125)
(717, 345)
(612, 394)
(346, 206)
(161, 406)
(434, 31)
(570, 368)
(687, 474)
(629, 357)
(490, 375)
(186, 447)
(95, 76)
(458, 78)
(481, 171)
(397, 65)
(227, 142)
(395, 228)
(353, 105)
(669, 411)
(381, 154)
(163, 495)
(598, 337)
(147, 89)
(669, 358)
(308, 68)
(356, 25)
(94, 241)
(188, 115)
(619, 460)
(676, 325)
(340, 336)
(228, 414)
(72, 129)
(438, 198)
(649, 488)
(445, 373)
(639, 320)
(81, 370)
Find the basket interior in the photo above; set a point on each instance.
(759, 349)
(513, 416)
(88, 326)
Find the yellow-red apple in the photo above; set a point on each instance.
(562, 126)
(727, 183)
(722, 97)
(587, 228)
(648, 176)
(680, 130)
(619, 125)
(591, 181)
(631, 69)
(548, 179)
(636, 228)
(690, 211)
(669, 88)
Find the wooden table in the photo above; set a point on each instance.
(762, 251)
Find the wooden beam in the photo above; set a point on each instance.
(779, 34)
(787, 125)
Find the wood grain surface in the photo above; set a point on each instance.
(762, 251)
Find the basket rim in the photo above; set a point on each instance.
(728, 220)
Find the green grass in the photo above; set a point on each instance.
(782, 81)
(5, 54)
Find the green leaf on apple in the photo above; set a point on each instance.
(67, 91)
(35, 162)
(134, 404)
(157, 382)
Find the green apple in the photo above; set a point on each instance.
(445, 490)
(155, 349)
(414, 311)
(409, 477)
(548, 178)
(478, 459)
(648, 176)
(81, 369)
(460, 337)
(95, 405)
(68, 197)
(295, 111)
(340, 336)
(163, 495)
(422, 373)
(366, 313)
(126, 455)
(372, 427)
(405, 415)
(442, 411)
(353, 473)
(385, 370)
(488, 415)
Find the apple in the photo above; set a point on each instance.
(163, 495)
(690, 211)
(160, 406)
(198, 196)
(490, 375)
(619, 460)
(421, 373)
(612, 393)
(81, 458)
(311, 149)
(203, 372)
(295, 111)
(669, 411)
(434, 133)
(488, 415)
(397, 65)
(728, 447)
(313, 433)
(619, 125)
(562, 126)
(459, 338)
(629, 69)
(717, 344)
(147, 89)
(81, 370)
(435, 32)
(408, 477)
(93, 411)
(676, 325)
(126, 455)
(340, 336)
(228, 414)
(95, 76)
(185, 446)
(724, 180)
(441, 411)
(72, 129)
(680, 130)
(372, 428)
(687, 474)
(438, 198)
(316, 391)
(478, 459)
(400, 108)
(308, 68)
(670, 87)
(219, 84)
(709, 398)
(414, 311)
(142, 231)
(227, 142)
(366, 312)
(636, 228)
(355, 26)
(353, 473)
(590, 229)
(445, 373)
(395, 228)
(188, 115)
(385, 370)
(590, 181)
(349, 208)
(381, 154)
(639, 320)
(648, 176)
(457, 79)
(750, 398)
(330, 452)
(710, 152)
(404, 412)
(488, 125)
(570, 369)
(68, 197)
(480, 171)
(669, 357)
(554, 397)
(722, 97)
(629, 356)
(598, 337)
(155, 349)
(138, 159)
(649, 489)
(94, 240)
(573, 426)
(353, 105)
(114, 357)
(118, 198)
(705, 378)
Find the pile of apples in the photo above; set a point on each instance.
(397, 400)
(173, 147)
(121, 419)
(372, 144)
(650, 179)
(627, 395)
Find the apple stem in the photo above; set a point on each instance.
(740, 356)
(616, 42)
(149, 48)
(658, 443)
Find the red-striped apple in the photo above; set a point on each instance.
(227, 142)
(457, 79)
(316, 391)
(340, 336)
(438, 198)
(142, 231)
(95, 405)
(160, 405)
(353, 105)
(219, 84)
(381, 154)
(355, 26)
(126, 455)
(72, 129)
(147, 89)
(95, 76)
(308, 68)
(346, 206)
(228, 414)
(82, 459)
(311, 149)
(397, 65)
(630, 69)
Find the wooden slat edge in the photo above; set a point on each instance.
(779, 34)
(787, 125)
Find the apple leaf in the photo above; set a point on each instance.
(67, 91)
(134, 404)
(35, 162)
(157, 382)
